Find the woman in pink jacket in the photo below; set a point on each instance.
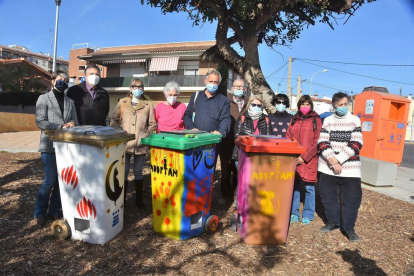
(305, 127)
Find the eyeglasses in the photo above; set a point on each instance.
(238, 86)
(137, 86)
(280, 102)
(258, 105)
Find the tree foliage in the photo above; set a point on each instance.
(19, 77)
(249, 23)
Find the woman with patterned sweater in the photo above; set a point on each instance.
(339, 144)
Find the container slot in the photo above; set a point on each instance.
(197, 220)
(82, 225)
(397, 111)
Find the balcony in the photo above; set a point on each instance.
(155, 81)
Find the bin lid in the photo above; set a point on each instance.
(181, 139)
(269, 144)
(101, 136)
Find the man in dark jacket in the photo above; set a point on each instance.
(237, 107)
(91, 100)
(207, 110)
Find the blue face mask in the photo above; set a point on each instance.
(238, 93)
(255, 110)
(137, 93)
(61, 85)
(280, 107)
(341, 111)
(212, 88)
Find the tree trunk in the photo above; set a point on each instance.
(253, 75)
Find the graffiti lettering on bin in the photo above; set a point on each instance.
(208, 157)
(273, 175)
(165, 162)
(113, 195)
(86, 208)
(69, 176)
(266, 204)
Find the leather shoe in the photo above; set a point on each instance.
(352, 237)
(41, 221)
(329, 226)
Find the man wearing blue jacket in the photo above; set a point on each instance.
(208, 110)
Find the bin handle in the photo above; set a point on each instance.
(89, 132)
(190, 135)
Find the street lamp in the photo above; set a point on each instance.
(56, 33)
(310, 89)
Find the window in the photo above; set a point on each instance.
(44, 62)
(36, 61)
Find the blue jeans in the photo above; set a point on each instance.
(309, 205)
(49, 186)
(138, 163)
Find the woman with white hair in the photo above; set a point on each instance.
(169, 114)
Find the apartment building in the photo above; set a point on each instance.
(155, 64)
(44, 61)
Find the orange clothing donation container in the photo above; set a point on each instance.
(266, 174)
(384, 121)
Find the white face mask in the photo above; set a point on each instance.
(171, 100)
(93, 80)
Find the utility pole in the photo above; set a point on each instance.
(299, 90)
(278, 86)
(289, 73)
(400, 91)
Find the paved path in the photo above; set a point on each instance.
(27, 141)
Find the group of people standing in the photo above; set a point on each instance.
(331, 148)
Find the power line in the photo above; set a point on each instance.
(277, 70)
(357, 74)
(327, 86)
(354, 63)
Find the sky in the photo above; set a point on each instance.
(380, 33)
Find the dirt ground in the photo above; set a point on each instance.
(385, 226)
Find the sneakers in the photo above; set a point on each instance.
(305, 221)
(329, 227)
(352, 237)
(294, 218)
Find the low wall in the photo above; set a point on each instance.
(14, 122)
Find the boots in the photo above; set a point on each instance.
(125, 190)
(139, 186)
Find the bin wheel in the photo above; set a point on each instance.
(212, 224)
(61, 229)
(233, 222)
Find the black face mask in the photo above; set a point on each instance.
(61, 85)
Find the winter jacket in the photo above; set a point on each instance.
(90, 111)
(49, 116)
(306, 131)
(138, 120)
(234, 115)
(246, 127)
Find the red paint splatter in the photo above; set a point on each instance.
(157, 193)
(167, 221)
(162, 161)
(171, 155)
(170, 165)
(173, 203)
(154, 196)
(161, 190)
(196, 203)
(153, 151)
(162, 183)
(167, 191)
(158, 213)
(156, 159)
(166, 200)
(169, 183)
(155, 178)
(206, 177)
